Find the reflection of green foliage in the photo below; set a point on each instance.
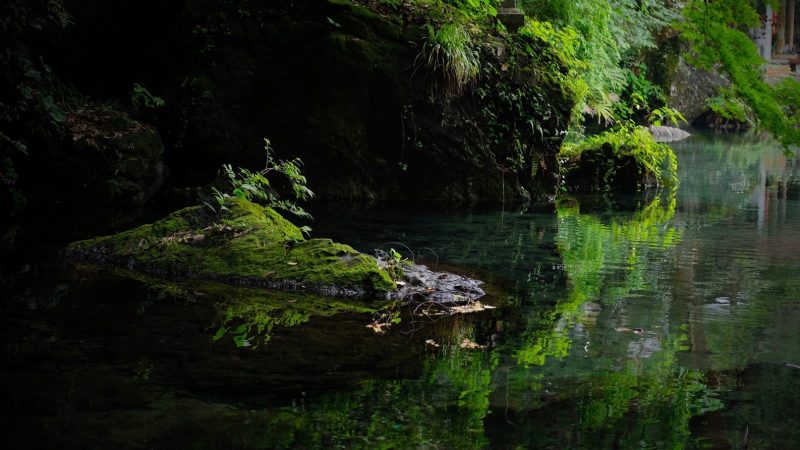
(588, 245)
(444, 409)
(548, 337)
(666, 397)
(248, 315)
(257, 320)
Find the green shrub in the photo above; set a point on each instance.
(142, 98)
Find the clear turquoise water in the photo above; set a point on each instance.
(666, 320)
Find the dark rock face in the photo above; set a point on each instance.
(112, 157)
(333, 82)
(101, 156)
(691, 87)
(341, 87)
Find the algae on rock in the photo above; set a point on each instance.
(250, 245)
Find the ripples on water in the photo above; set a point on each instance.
(666, 320)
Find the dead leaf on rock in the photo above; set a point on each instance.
(378, 327)
(470, 308)
(471, 345)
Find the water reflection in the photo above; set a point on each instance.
(496, 396)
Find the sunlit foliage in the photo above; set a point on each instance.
(717, 32)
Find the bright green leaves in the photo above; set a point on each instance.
(255, 186)
(634, 141)
(666, 115)
(600, 39)
(142, 98)
(715, 30)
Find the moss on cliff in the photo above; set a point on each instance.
(249, 245)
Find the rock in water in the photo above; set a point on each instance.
(420, 284)
(668, 134)
(248, 245)
(423, 284)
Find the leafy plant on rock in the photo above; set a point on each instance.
(256, 187)
(449, 52)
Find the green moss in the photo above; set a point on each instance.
(250, 244)
(620, 159)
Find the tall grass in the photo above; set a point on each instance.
(450, 52)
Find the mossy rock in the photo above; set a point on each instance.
(249, 245)
(602, 169)
(626, 159)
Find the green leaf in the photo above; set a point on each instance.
(220, 333)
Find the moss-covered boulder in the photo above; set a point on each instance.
(248, 245)
(626, 159)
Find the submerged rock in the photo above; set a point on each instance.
(249, 245)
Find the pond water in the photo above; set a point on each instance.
(664, 320)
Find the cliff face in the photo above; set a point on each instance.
(335, 83)
(692, 87)
(345, 89)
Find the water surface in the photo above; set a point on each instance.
(663, 320)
